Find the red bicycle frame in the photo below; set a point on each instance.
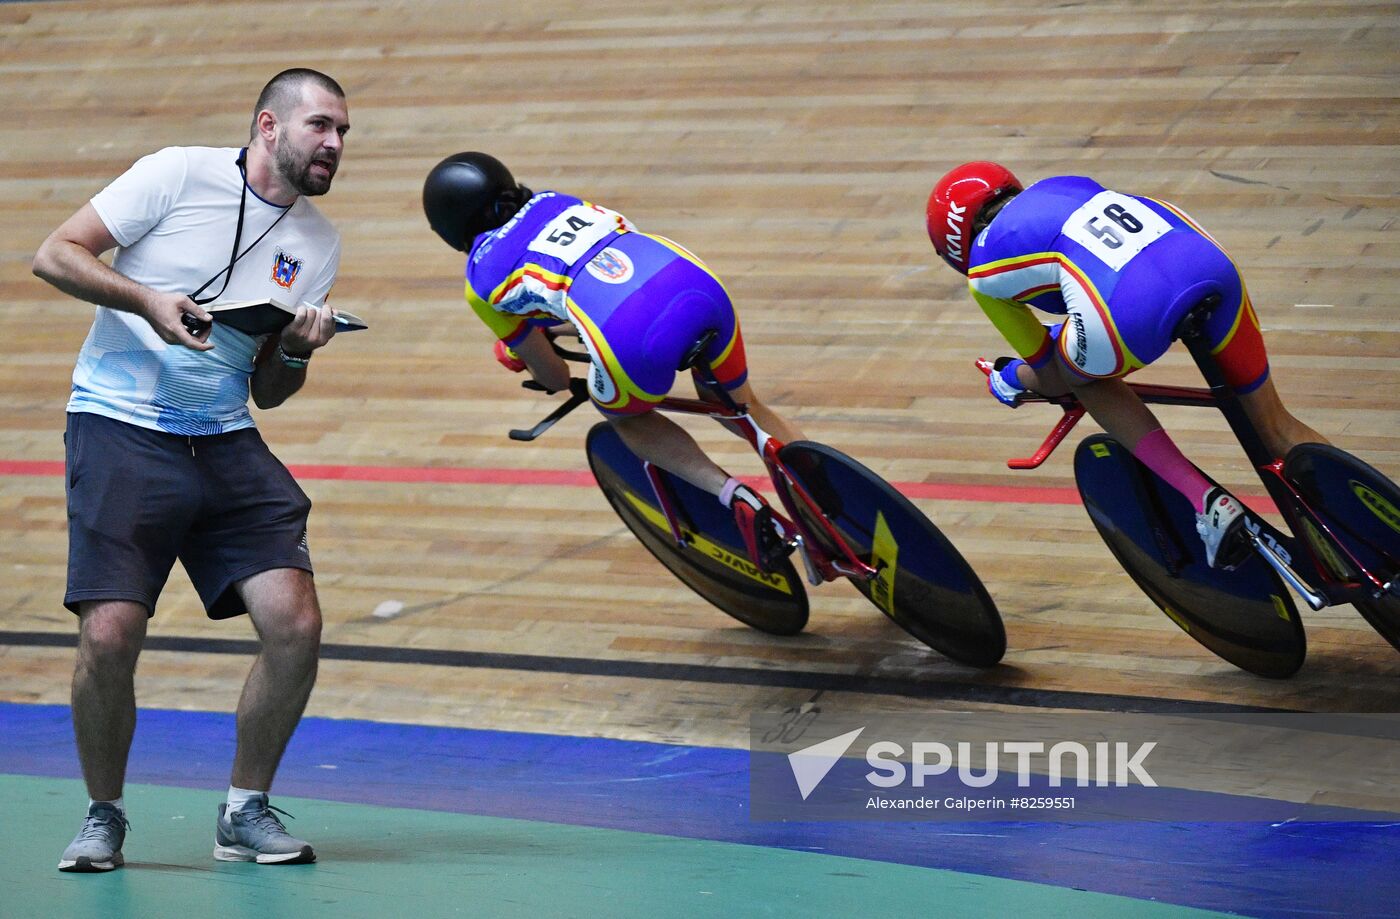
(821, 566)
(1292, 505)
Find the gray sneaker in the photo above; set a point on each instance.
(254, 834)
(98, 845)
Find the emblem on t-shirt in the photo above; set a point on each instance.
(611, 266)
(285, 269)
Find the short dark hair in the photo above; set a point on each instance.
(284, 91)
(990, 211)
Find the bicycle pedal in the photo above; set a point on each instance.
(774, 551)
(772, 547)
(1235, 551)
(779, 551)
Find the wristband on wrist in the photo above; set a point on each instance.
(294, 361)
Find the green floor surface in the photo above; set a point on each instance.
(393, 862)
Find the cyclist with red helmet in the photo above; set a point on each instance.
(639, 302)
(1123, 270)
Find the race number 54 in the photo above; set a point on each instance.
(564, 237)
(574, 231)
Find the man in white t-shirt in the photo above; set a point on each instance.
(163, 459)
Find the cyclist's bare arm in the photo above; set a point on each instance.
(548, 368)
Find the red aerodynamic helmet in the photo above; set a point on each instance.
(956, 201)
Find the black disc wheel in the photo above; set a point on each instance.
(923, 583)
(1244, 616)
(712, 562)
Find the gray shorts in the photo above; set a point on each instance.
(138, 499)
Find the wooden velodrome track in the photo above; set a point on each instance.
(791, 145)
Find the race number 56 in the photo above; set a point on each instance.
(1114, 227)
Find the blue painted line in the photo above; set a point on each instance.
(1294, 870)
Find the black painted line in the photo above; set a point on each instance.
(690, 673)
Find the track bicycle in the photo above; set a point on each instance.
(1343, 517)
(841, 519)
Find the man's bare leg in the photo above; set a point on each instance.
(282, 604)
(104, 697)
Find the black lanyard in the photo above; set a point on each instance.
(234, 256)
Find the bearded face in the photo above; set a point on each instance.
(309, 169)
(309, 140)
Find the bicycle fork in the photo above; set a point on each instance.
(820, 565)
(1344, 571)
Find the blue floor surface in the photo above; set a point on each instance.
(1292, 870)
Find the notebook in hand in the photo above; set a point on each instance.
(263, 317)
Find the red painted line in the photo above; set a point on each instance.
(31, 467)
(1004, 494)
(449, 475)
(483, 475)
(458, 475)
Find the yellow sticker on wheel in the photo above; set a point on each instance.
(714, 550)
(1280, 607)
(884, 558)
(1377, 505)
(1326, 552)
(1100, 450)
(1174, 617)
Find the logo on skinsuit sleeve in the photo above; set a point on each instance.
(601, 385)
(611, 266)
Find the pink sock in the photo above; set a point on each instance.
(1159, 454)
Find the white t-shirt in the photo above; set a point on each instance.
(174, 214)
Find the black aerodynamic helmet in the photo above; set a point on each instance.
(468, 194)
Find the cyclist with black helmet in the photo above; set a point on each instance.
(639, 302)
(1124, 271)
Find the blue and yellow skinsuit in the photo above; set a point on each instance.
(1123, 270)
(640, 302)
